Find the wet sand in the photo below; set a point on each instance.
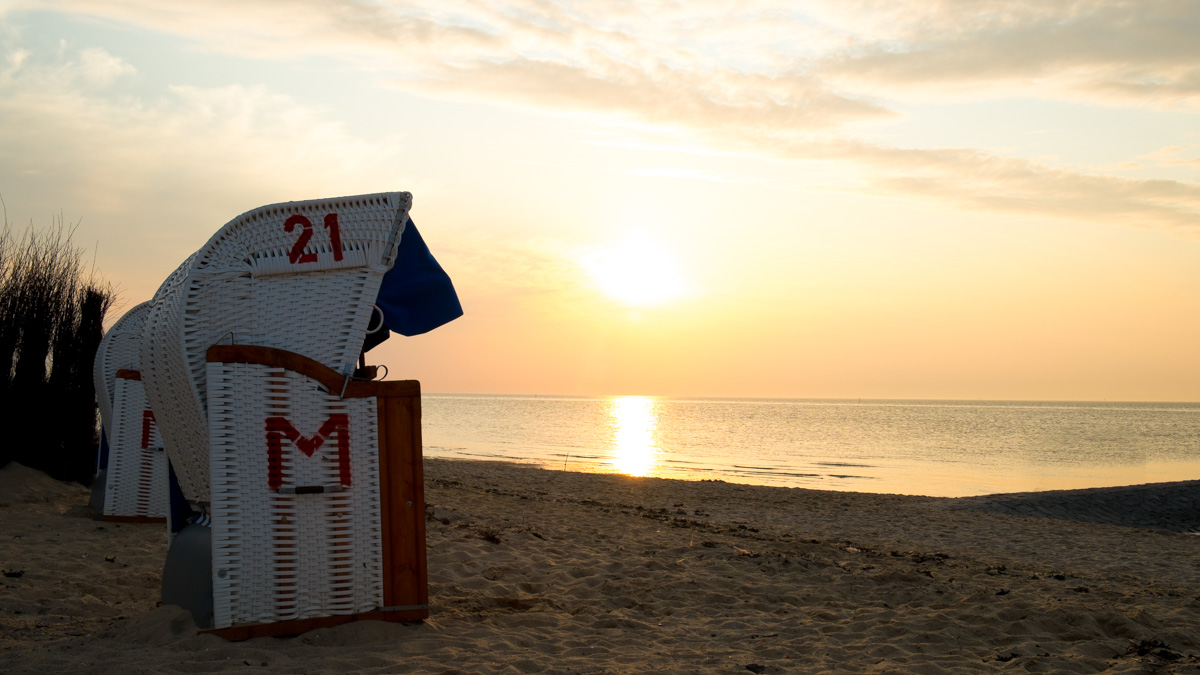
(534, 570)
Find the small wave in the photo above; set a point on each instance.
(780, 474)
(849, 464)
(771, 469)
(577, 455)
(696, 468)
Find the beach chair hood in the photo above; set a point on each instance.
(119, 349)
(301, 276)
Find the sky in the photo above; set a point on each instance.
(822, 199)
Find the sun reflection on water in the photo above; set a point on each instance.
(635, 429)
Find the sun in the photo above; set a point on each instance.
(636, 273)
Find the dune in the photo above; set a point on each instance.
(534, 570)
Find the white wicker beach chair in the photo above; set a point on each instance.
(131, 480)
(309, 477)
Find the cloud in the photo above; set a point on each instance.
(758, 77)
(1174, 156)
(837, 51)
(974, 180)
(1128, 53)
(90, 69)
(101, 69)
(659, 63)
(202, 154)
(661, 96)
(364, 33)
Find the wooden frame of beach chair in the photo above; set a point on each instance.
(312, 488)
(131, 484)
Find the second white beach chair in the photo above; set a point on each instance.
(131, 478)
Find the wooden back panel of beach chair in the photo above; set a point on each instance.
(318, 512)
(300, 276)
(136, 478)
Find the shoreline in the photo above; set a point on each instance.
(1163, 505)
(535, 569)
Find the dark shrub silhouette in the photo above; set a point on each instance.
(51, 321)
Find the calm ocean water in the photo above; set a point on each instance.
(939, 448)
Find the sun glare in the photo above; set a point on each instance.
(636, 274)
(635, 448)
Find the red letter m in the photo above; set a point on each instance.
(278, 428)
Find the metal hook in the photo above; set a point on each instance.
(375, 310)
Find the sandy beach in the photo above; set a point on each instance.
(547, 571)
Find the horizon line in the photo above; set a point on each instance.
(834, 399)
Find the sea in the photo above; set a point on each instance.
(934, 448)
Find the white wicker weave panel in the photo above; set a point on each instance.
(278, 556)
(236, 289)
(169, 388)
(136, 480)
(118, 349)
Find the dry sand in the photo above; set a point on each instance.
(534, 570)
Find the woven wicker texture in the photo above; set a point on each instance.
(136, 480)
(301, 276)
(277, 555)
(118, 349)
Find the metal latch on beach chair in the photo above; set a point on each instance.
(309, 489)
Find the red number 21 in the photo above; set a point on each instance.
(297, 254)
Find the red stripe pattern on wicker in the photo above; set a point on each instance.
(136, 479)
(135, 482)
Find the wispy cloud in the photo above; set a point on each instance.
(975, 180)
(1175, 155)
(1132, 53)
